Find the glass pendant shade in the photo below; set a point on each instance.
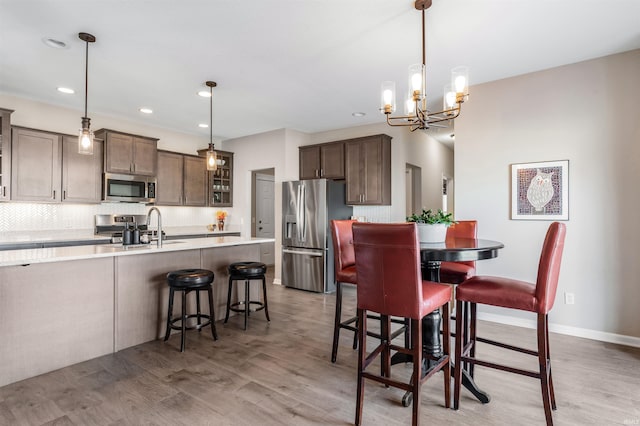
(449, 98)
(212, 159)
(388, 97)
(460, 80)
(85, 138)
(417, 81)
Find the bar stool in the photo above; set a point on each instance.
(247, 271)
(187, 280)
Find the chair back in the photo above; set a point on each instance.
(549, 267)
(343, 253)
(464, 229)
(388, 268)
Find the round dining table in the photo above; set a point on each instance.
(432, 254)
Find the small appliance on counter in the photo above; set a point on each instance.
(125, 229)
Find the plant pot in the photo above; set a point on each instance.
(432, 233)
(220, 225)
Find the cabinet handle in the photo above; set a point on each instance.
(316, 172)
(4, 191)
(64, 194)
(54, 194)
(321, 172)
(134, 167)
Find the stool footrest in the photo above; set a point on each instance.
(233, 307)
(193, 327)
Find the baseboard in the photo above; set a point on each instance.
(564, 329)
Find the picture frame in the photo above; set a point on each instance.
(540, 190)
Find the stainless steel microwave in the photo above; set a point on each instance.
(129, 188)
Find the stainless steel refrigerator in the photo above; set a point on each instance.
(307, 249)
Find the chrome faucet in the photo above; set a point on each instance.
(151, 210)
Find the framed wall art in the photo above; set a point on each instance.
(540, 191)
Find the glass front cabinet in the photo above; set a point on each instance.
(221, 180)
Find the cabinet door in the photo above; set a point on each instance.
(119, 153)
(195, 181)
(145, 157)
(81, 174)
(35, 166)
(332, 161)
(170, 172)
(221, 181)
(353, 173)
(309, 162)
(368, 170)
(5, 154)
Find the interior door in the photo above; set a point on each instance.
(265, 215)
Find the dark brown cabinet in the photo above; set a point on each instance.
(129, 154)
(221, 180)
(46, 167)
(322, 161)
(35, 165)
(81, 174)
(195, 181)
(368, 170)
(182, 180)
(5, 154)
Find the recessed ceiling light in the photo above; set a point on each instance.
(146, 110)
(204, 94)
(53, 43)
(359, 114)
(66, 90)
(204, 126)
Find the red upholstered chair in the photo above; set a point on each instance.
(535, 297)
(345, 272)
(457, 272)
(390, 283)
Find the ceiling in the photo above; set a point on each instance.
(299, 64)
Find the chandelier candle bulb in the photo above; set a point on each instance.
(388, 98)
(460, 80)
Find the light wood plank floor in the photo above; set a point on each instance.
(280, 373)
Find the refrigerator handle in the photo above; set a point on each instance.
(298, 201)
(305, 253)
(303, 212)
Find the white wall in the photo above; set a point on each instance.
(587, 113)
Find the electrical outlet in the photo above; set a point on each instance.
(569, 298)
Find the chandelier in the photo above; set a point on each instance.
(416, 114)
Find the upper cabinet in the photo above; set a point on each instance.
(322, 161)
(368, 170)
(221, 180)
(81, 174)
(35, 166)
(182, 180)
(46, 167)
(129, 154)
(5, 154)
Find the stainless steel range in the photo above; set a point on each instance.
(126, 229)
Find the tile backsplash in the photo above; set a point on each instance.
(44, 217)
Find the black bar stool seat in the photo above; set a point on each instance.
(247, 271)
(187, 280)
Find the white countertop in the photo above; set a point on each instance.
(58, 254)
(88, 234)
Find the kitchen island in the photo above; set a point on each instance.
(64, 305)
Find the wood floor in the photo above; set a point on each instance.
(280, 373)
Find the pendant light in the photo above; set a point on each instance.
(85, 136)
(212, 158)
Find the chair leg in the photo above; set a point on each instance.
(198, 311)
(472, 323)
(542, 361)
(458, 363)
(264, 295)
(336, 322)
(226, 316)
(551, 392)
(246, 302)
(362, 336)
(169, 314)
(385, 335)
(416, 377)
(212, 314)
(184, 320)
(446, 337)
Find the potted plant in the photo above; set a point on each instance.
(432, 227)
